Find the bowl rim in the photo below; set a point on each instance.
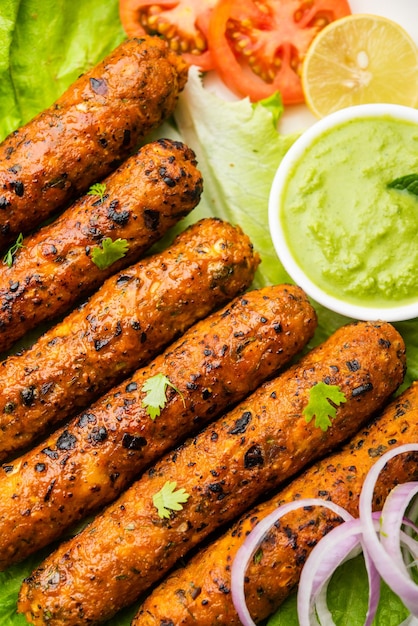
(296, 273)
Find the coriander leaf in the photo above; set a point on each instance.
(155, 398)
(408, 183)
(322, 398)
(167, 499)
(109, 252)
(98, 189)
(9, 256)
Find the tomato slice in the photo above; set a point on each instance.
(184, 24)
(258, 46)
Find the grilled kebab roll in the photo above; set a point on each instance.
(257, 446)
(87, 132)
(214, 365)
(56, 266)
(124, 324)
(200, 592)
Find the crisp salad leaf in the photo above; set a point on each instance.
(44, 46)
(9, 588)
(274, 104)
(347, 599)
(238, 150)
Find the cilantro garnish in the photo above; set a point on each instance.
(9, 256)
(167, 499)
(321, 405)
(408, 183)
(110, 251)
(155, 398)
(98, 189)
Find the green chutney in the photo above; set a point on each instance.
(353, 236)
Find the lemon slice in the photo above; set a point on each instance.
(360, 59)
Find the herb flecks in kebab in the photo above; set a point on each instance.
(87, 132)
(135, 314)
(64, 262)
(216, 363)
(256, 447)
(193, 594)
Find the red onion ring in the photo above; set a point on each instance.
(339, 545)
(391, 535)
(253, 540)
(378, 535)
(395, 575)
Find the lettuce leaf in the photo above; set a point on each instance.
(347, 599)
(238, 150)
(44, 46)
(10, 584)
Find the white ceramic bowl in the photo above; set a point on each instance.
(276, 207)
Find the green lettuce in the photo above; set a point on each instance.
(10, 582)
(44, 46)
(347, 599)
(238, 150)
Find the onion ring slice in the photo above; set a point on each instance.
(384, 538)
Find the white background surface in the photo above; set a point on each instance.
(297, 117)
(405, 12)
